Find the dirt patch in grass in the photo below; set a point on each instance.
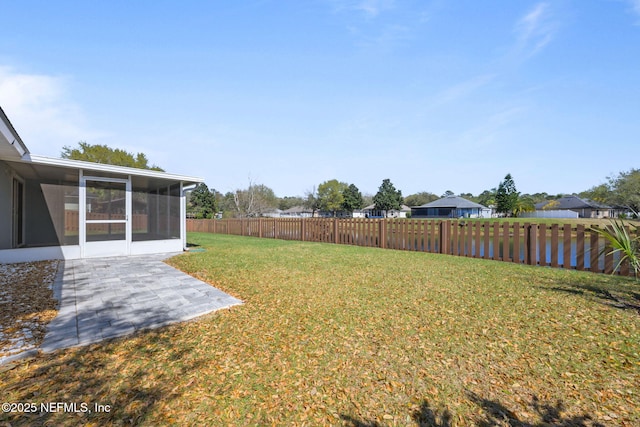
(27, 304)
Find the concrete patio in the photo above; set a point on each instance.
(112, 297)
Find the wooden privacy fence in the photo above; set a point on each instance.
(557, 245)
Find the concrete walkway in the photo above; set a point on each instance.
(112, 297)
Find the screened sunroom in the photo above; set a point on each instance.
(58, 208)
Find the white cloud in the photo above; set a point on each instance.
(535, 30)
(42, 112)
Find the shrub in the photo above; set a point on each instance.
(623, 241)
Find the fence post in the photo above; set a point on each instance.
(303, 229)
(335, 231)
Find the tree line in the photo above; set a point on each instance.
(256, 200)
(334, 196)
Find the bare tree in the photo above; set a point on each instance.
(254, 201)
(312, 201)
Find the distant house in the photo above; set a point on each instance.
(371, 212)
(297, 212)
(68, 209)
(272, 213)
(336, 214)
(451, 207)
(585, 208)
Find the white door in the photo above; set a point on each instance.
(105, 219)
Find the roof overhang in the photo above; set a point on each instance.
(11, 145)
(109, 169)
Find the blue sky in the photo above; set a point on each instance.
(434, 95)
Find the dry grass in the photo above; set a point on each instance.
(26, 304)
(343, 335)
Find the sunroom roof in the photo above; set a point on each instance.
(109, 169)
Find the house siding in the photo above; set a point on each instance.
(6, 182)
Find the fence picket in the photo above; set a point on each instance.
(542, 244)
(516, 243)
(487, 240)
(580, 247)
(566, 246)
(593, 251)
(496, 241)
(554, 246)
(454, 238)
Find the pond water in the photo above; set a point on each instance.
(478, 251)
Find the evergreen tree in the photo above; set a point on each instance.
(387, 198)
(352, 198)
(202, 202)
(507, 196)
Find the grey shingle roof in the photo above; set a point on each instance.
(572, 202)
(452, 202)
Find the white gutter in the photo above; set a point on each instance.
(183, 213)
(13, 138)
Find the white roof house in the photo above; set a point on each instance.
(371, 212)
(67, 209)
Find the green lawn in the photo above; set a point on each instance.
(345, 335)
